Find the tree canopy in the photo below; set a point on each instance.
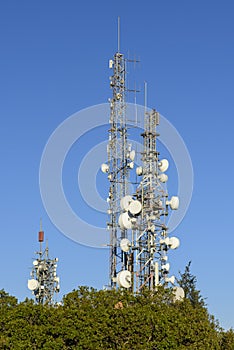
(108, 319)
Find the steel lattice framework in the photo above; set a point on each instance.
(139, 240)
(44, 281)
(151, 228)
(117, 163)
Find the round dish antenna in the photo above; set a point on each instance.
(163, 165)
(179, 293)
(124, 279)
(104, 168)
(163, 178)
(126, 220)
(135, 207)
(174, 202)
(139, 170)
(174, 242)
(125, 202)
(125, 245)
(33, 284)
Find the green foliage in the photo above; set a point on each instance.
(188, 282)
(227, 340)
(6, 300)
(93, 320)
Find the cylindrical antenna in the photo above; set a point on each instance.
(118, 34)
(40, 237)
(41, 233)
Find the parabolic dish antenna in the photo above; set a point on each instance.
(139, 170)
(126, 220)
(121, 222)
(174, 242)
(179, 293)
(163, 165)
(125, 244)
(163, 178)
(124, 279)
(174, 202)
(135, 207)
(33, 284)
(125, 201)
(105, 168)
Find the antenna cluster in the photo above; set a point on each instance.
(139, 240)
(120, 161)
(137, 223)
(44, 281)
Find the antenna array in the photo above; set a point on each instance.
(118, 165)
(139, 241)
(44, 281)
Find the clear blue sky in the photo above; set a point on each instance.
(54, 62)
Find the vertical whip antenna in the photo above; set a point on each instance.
(118, 34)
(145, 97)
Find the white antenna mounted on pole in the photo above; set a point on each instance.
(145, 97)
(118, 34)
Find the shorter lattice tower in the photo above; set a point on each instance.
(144, 216)
(44, 281)
(151, 238)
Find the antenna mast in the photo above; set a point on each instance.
(44, 281)
(118, 34)
(139, 240)
(118, 164)
(151, 229)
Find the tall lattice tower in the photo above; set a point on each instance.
(139, 241)
(120, 160)
(44, 281)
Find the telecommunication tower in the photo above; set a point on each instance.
(120, 160)
(151, 242)
(44, 281)
(139, 240)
